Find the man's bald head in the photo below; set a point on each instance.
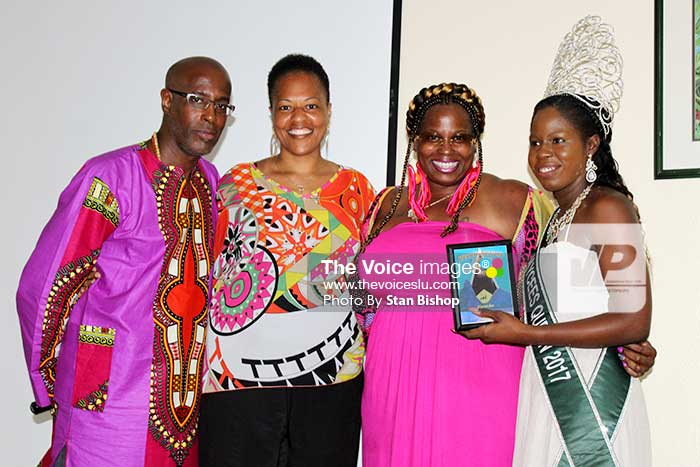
(191, 123)
(184, 71)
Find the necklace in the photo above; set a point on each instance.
(313, 194)
(154, 138)
(412, 215)
(299, 187)
(563, 220)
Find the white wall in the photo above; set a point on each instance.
(505, 51)
(80, 78)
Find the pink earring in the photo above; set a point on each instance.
(418, 203)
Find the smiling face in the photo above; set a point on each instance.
(300, 113)
(558, 152)
(196, 131)
(445, 145)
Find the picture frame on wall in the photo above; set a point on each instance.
(676, 89)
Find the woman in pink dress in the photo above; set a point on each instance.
(431, 397)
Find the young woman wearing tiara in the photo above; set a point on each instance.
(584, 292)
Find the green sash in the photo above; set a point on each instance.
(587, 416)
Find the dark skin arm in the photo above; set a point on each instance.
(605, 330)
(638, 358)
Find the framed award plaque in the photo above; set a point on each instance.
(482, 277)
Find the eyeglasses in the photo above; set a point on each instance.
(203, 103)
(456, 140)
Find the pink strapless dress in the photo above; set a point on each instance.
(433, 398)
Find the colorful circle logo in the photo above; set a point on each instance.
(494, 269)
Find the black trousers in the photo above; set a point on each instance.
(282, 427)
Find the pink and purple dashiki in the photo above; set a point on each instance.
(123, 363)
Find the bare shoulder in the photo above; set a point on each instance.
(608, 206)
(388, 200)
(513, 193)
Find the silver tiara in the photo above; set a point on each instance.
(588, 66)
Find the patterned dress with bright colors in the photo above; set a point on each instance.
(271, 318)
(122, 363)
(432, 398)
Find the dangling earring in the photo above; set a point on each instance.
(324, 142)
(274, 145)
(463, 189)
(591, 176)
(471, 182)
(417, 204)
(475, 160)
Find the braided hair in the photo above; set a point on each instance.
(585, 120)
(445, 93)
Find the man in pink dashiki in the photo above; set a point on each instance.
(121, 367)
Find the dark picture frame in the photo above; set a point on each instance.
(660, 169)
(394, 93)
(499, 258)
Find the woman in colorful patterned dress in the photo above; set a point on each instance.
(433, 398)
(285, 351)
